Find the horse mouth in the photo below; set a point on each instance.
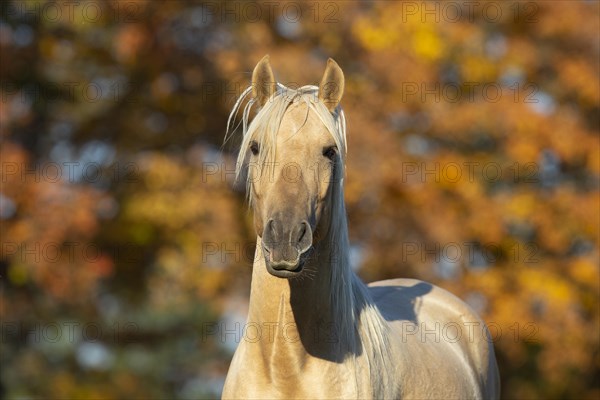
(287, 272)
(283, 269)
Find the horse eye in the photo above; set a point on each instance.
(254, 148)
(330, 152)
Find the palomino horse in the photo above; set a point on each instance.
(314, 329)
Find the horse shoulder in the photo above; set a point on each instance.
(407, 299)
(431, 320)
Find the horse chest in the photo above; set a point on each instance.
(316, 379)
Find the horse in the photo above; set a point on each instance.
(314, 329)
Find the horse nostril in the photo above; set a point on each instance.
(271, 228)
(304, 240)
(302, 232)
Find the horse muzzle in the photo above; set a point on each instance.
(285, 247)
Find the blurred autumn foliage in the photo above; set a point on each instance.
(473, 163)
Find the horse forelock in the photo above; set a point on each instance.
(264, 126)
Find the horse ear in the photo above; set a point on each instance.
(263, 81)
(331, 88)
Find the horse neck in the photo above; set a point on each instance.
(299, 312)
(329, 316)
(311, 316)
